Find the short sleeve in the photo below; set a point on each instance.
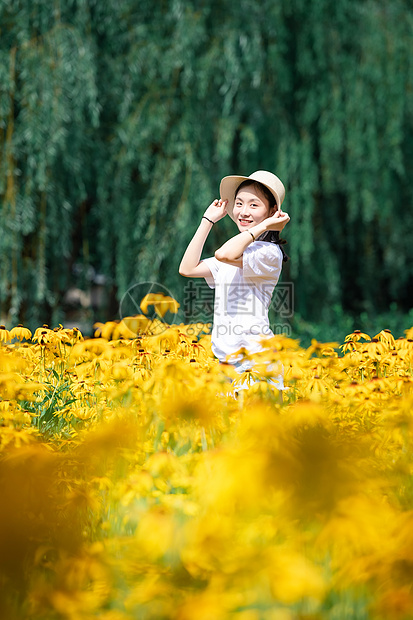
(262, 260)
(213, 265)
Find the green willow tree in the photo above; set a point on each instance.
(118, 119)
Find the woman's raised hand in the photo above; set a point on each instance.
(217, 210)
(277, 221)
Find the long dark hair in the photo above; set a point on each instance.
(272, 236)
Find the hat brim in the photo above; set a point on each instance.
(229, 185)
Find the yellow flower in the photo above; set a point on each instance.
(293, 577)
(43, 335)
(4, 334)
(132, 326)
(80, 412)
(356, 335)
(21, 333)
(155, 534)
(120, 371)
(409, 333)
(162, 303)
(248, 378)
(348, 346)
(280, 343)
(168, 340)
(89, 349)
(105, 330)
(317, 385)
(322, 348)
(386, 336)
(375, 349)
(71, 336)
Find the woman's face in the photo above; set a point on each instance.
(250, 208)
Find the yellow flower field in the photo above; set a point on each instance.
(138, 483)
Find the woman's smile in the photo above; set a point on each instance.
(250, 207)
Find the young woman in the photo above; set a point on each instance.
(245, 270)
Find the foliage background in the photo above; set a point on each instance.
(118, 120)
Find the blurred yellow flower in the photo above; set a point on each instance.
(162, 303)
(132, 326)
(105, 330)
(4, 334)
(293, 577)
(134, 484)
(322, 348)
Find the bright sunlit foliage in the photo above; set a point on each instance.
(136, 482)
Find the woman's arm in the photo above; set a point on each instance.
(233, 249)
(190, 264)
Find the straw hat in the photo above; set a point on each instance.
(229, 186)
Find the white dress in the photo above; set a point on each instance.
(242, 299)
